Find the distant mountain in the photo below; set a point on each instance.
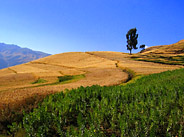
(11, 55)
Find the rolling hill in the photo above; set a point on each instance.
(11, 55)
(176, 48)
(165, 54)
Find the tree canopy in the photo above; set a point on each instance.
(131, 39)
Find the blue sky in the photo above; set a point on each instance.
(56, 26)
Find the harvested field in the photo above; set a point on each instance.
(12, 81)
(76, 60)
(171, 50)
(166, 54)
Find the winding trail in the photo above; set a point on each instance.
(12, 70)
(130, 73)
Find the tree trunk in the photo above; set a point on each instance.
(130, 52)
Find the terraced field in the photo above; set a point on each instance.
(166, 54)
(140, 67)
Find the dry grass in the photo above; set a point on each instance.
(51, 70)
(13, 81)
(76, 60)
(177, 48)
(24, 68)
(6, 71)
(167, 54)
(140, 67)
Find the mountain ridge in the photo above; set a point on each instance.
(11, 55)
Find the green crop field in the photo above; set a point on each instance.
(151, 106)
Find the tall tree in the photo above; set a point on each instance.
(131, 39)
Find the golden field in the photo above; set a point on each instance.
(166, 54)
(176, 48)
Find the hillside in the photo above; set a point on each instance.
(11, 55)
(176, 48)
(23, 86)
(165, 54)
(95, 69)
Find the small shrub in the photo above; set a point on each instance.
(39, 81)
(65, 78)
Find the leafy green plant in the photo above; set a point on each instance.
(62, 80)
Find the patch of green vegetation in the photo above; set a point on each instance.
(64, 80)
(177, 58)
(133, 79)
(17, 130)
(69, 78)
(131, 74)
(161, 61)
(151, 106)
(38, 81)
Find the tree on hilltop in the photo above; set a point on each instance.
(131, 39)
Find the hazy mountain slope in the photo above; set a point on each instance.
(11, 55)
